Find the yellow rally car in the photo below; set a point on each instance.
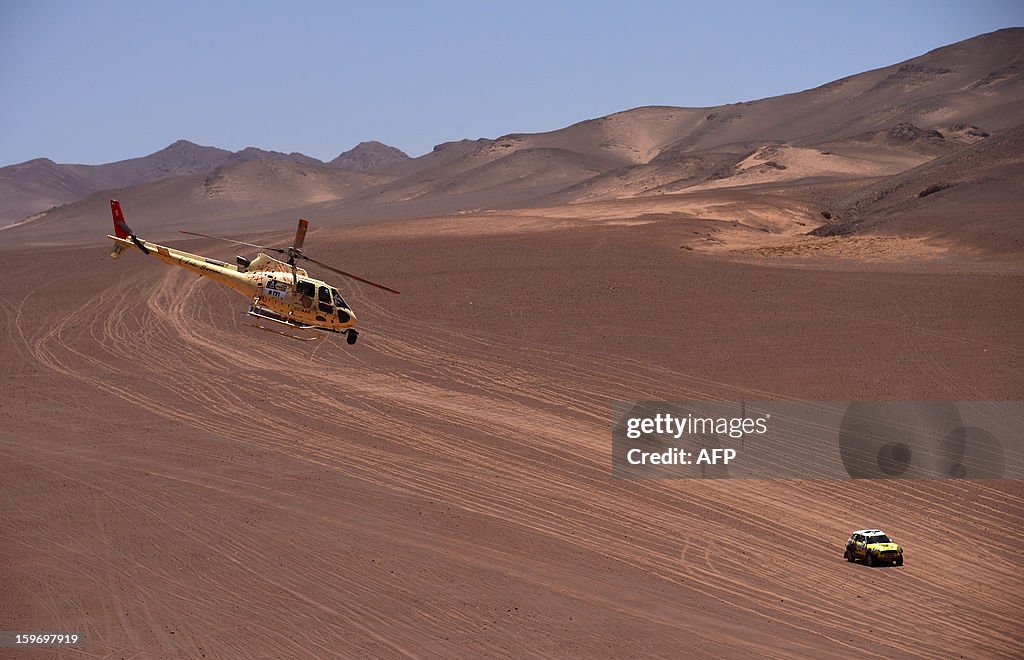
(874, 547)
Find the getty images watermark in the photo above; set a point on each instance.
(818, 440)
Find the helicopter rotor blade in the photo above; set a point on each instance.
(295, 252)
(300, 234)
(350, 275)
(230, 240)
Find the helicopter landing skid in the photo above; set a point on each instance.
(310, 333)
(312, 336)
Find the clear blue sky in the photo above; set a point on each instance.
(93, 82)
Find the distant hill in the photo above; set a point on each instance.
(875, 123)
(34, 186)
(238, 195)
(972, 194)
(370, 156)
(252, 153)
(39, 184)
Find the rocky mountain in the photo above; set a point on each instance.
(34, 186)
(973, 193)
(370, 156)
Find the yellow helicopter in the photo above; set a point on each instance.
(280, 291)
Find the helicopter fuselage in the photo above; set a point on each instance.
(300, 299)
(275, 291)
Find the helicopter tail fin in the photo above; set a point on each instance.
(123, 231)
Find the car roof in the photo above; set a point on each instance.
(868, 532)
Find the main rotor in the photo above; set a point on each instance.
(294, 252)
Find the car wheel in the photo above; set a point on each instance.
(848, 556)
(870, 559)
(899, 560)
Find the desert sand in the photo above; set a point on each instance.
(178, 482)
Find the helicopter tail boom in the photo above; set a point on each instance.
(219, 271)
(224, 273)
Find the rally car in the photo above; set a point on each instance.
(874, 547)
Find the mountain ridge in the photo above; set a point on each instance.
(38, 184)
(858, 129)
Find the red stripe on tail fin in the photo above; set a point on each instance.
(121, 229)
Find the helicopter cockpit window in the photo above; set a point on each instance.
(325, 301)
(338, 300)
(305, 288)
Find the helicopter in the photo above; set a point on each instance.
(280, 291)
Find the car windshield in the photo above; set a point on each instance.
(881, 538)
